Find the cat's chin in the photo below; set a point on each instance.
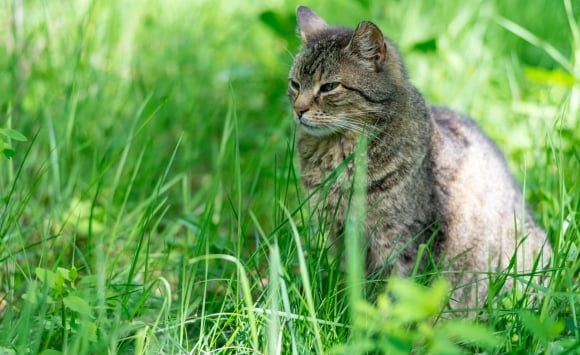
(318, 131)
(313, 129)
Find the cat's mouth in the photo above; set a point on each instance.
(316, 129)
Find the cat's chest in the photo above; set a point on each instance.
(321, 156)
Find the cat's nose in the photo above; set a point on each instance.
(300, 110)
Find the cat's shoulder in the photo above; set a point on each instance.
(458, 127)
(448, 119)
(459, 142)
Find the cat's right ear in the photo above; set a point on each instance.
(368, 43)
(309, 23)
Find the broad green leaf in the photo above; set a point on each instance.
(33, 295)
(88, 281)
(58, 285)
(545, 329)
(365, 316)
(442, 345)
(92, 330)
(396, 345)
(73, 273)
(13, 134)
(468, 332)
(46, 277)
(77, 304)
(416, 302)
(8, 152)
(65, 273)
(30, 297)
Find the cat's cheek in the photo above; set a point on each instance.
(334, 101)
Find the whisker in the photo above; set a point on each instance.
(356, 121)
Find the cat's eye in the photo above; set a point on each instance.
(294, 85)
(328, 87)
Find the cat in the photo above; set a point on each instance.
(432, 174)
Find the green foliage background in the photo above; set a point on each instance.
(148, 209)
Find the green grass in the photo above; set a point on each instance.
(155, 206)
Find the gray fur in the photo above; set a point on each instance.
(427, 166)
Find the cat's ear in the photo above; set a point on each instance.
(368, 43)
(309, 23)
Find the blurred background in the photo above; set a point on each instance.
(159, 130)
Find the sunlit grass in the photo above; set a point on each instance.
(155, 205)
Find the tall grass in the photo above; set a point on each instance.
(155, 206)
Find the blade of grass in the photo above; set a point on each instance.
(536, 41)
(245, 289)
(306, 281)
(274, 330)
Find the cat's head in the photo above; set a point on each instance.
(343, 79)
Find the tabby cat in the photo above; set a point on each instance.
(431, 172)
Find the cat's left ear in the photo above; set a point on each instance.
(309, 23)
(368, 43)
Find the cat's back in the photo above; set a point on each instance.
(476, 193)
(464, 154)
